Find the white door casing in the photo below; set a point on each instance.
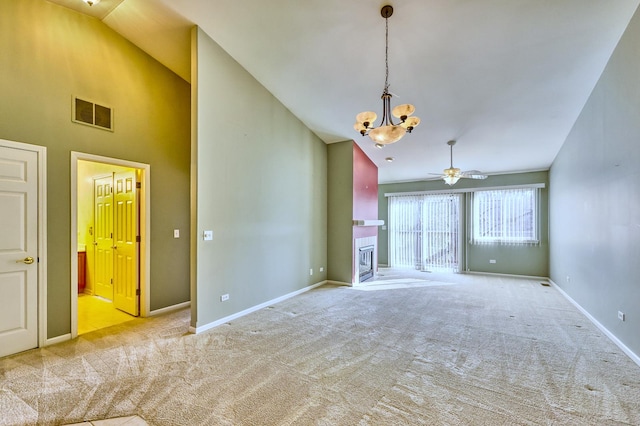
(22, 278)
(144, 246)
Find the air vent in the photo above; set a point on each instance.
(92, 114)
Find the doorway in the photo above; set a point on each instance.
(425, 232)
(110, 199)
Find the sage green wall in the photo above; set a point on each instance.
(595, 198)
(516, 260)
(49, 53)
(340, 211)
(260, 186)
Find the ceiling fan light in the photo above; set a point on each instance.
(386, 135)
(368, 117)
(403, 110)
(450, 180)
(451, 175)
(91, 2)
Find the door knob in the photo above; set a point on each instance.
(28, 260)
(114, 247)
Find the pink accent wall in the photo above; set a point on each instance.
(365, 192)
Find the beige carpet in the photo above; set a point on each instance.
(482, 351)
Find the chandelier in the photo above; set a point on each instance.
(387, 132)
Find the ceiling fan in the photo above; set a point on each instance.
(453, 174)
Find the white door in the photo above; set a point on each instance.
(18, 250)
(103, 236)
(125, 238)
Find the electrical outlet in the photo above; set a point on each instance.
(621, 315)
(568, 279)
(322, 269)
(492, 261)
(224, 297)
(310, 271)
(208, 235)
(176, 233)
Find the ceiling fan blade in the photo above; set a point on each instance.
(473, 174)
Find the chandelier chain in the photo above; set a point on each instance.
(386, 55)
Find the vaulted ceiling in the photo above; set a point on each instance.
(506, 79)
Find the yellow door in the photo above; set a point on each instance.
(125, 234)
(103, 236)
(18, 250)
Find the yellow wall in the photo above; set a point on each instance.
(49, 53)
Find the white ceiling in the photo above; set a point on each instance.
(506, 78)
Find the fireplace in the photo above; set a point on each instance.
(365, 259)
(365, 263)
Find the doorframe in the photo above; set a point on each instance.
(145, 228)
(41, 152)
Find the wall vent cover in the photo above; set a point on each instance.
(91, 114)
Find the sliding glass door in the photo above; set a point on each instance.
(424, 232)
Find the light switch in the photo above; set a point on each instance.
(176, 233)
(208, 235)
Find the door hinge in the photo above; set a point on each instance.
(137, 238)
(138, 185)
(112, 235)
(137, 292)
(111, 280)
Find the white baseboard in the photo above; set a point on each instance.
(196, 330)
(169, 309)
(338, 283)
(57, 339)
(635, 358)
(497, 274)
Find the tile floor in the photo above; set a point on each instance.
(95, 313)
(119, 421)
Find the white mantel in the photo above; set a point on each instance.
(367, 222)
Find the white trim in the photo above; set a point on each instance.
(145, 231)
(431, 179)
(41, 152)
(57, 339)
(463, 190)
(634, 357)
(497, 274)
(237, 315)
(168, 309)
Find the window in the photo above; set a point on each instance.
(507, 216)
